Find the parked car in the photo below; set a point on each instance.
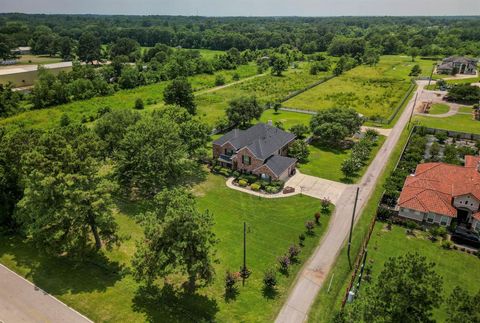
(464, 236)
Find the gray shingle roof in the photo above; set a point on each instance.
(460, 59)
(262, 139)
(279, 164)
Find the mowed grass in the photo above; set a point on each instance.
(287, 118)
(458, 122)
(105, 291)
(455, 267)
(37, 59)
(372, 91)
(439, 108)
(267, 88)
(152, 96)
(327, 162)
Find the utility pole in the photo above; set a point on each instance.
(244, 252)
(413, 109)
(351, 227)
(431, 74)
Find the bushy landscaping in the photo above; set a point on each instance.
(374, 91)
(114, 295)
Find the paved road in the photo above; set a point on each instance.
(313, 274)
(21, 301)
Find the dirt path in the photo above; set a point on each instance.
(217, 88)
(313, 274)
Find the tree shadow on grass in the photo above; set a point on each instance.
(61, 275)
(269, 292)
(169, 305)
(230, 295)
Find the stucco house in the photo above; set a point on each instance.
(260, 150)
(439, 192)
(457, 64)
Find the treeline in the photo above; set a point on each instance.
(338, 35)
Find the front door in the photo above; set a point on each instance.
(462, 216)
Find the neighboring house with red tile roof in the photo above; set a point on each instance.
(440, 192)
(260, 150)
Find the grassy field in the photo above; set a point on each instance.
(152, 96)
(455, 267)
(268, 88)
(453, 82)
(327, 162)
(37, 59)
(372, 91)
(458, 122)
(328, 301)
(439, 108)
(105, 290)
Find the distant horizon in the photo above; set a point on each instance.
(249, 8)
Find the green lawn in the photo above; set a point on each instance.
(37, 59)
(328, 300)
(439, 108)
(105, 290)
(465, 109)
(327, 162)
(287, 118)
(455, 267)
(458, 122)
(152, 96)
(268, 88)
(372, 91)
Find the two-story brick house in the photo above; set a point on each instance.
(440, 192)
(260, 150)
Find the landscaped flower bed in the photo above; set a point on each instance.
(253, 183)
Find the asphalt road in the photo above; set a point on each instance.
(21, 301)
(313, 274)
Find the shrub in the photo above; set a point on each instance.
(284, 262)
(219, 80)
(235, 77)
(309, 225)
(317, 217)
(446, 244)
(225, 171)
(301, 239)
(250, 178)
(441, 136)
(271, 189)
(293, 252)
(242, 183)
(325, 203)
(371, 134)
(139, 104)
(412, 225)
(65, 120)
(230, 280)
(236, 174)
(255, 187)
(270, 279)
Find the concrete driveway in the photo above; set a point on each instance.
(316, 187)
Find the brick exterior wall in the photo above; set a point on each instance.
(219, 150)
(265, 170)
(255, 163)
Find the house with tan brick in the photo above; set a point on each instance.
(439, 193)
(260, 150)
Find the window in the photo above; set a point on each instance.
(246, 160)
(444, 220)
(430, 218)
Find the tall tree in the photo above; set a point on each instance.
(179, 92)
(66, 202)
(89, 48)
(406, 291)
(463, 307)
(333, 125)
(278, 64)
(152, 156)
(243, 110)
(178, 240)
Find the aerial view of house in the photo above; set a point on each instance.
(439, 192)
(458, 65)
(260, 150)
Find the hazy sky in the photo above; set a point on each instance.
(248, 7)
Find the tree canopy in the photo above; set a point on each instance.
(179, 92)
(241, 111)
(334, 125)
